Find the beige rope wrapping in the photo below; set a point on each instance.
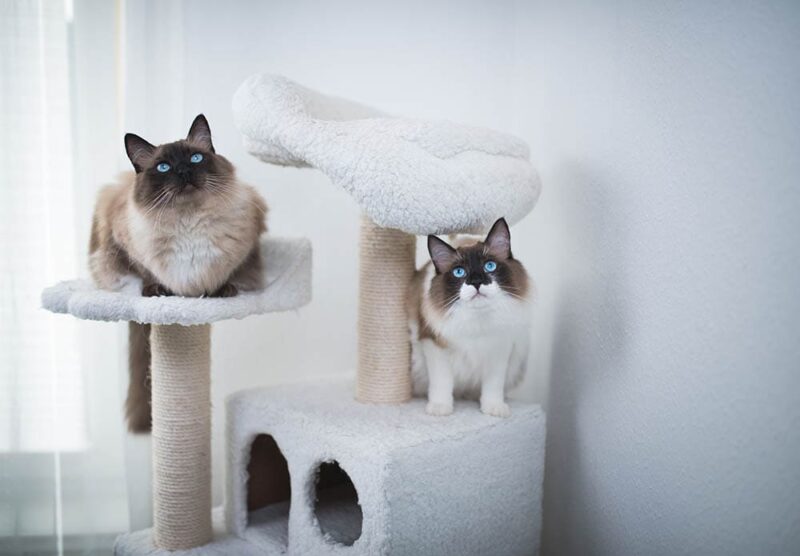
(384, 351)
(181, 376)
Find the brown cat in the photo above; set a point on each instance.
(183, 225)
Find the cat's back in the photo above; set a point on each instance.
(110, 209)
(416, 290)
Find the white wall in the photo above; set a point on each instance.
(664, 245)
(668, 137)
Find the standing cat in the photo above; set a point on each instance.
(182, 224)
(469, 314)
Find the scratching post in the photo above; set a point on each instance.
(384, 352)
(181, 380)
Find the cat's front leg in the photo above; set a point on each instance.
(225, 290)
(154, 289)
(493, 386)
(440, 380)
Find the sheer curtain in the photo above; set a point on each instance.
(62, 451)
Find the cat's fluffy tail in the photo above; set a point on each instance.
(137, 406)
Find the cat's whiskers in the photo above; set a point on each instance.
(449, 302)
(511, 290)
(162, 210)
(221, 192)
(223, 187)
(226, 187)
(156, 201)
(228, 198)
(217, 186)
(159, 206)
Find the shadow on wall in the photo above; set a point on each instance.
(590, 339)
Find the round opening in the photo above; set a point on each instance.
(336, 504)
(268, 491)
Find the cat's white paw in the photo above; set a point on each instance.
(439, 409)
(496, 409)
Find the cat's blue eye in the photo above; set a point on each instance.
(196, 157)
(163, 167)
(490, 266)
(459, 272)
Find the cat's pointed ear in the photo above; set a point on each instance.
(200, 133)
(139, 151)
(498, 241)
(442, 255)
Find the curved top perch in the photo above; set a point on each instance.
(287, 277)
(421, 177)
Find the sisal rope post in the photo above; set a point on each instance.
(387, 263)
(181, 377)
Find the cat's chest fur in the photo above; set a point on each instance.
(474, 342)
(191, 252)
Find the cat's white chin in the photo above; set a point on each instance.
(477, 299)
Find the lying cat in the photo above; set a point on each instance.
(469, 314)
(182, 224)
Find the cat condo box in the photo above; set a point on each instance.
(311, 471)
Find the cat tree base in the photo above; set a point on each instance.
(140, 543)
(403, 482)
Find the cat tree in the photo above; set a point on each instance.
(311, 471)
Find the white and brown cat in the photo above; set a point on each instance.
(182, 224)
(469, 315)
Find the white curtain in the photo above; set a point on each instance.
(41, 384)
(62, 481)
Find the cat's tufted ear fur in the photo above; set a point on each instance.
(498, 240)
(200, 133)
(442, 255)
(139, 151)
